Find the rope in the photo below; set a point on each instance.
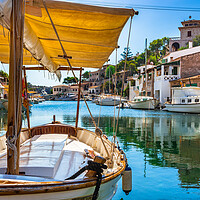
(65, 57)
(94, 166)
(123, 75)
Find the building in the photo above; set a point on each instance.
(177, 69)
(176, 66)
(138, 85)
(189, 30)
(95, 89)
(61, 89)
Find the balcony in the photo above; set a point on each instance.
(175, 38)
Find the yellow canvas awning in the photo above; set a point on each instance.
(89, 34)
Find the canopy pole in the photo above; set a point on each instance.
(78, 101)
(15, 86)
(26, 103)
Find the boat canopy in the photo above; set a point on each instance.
(88, 33)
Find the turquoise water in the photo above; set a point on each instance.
(163, 149)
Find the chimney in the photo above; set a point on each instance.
(190, 44)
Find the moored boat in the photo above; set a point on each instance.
(143, 102)
(109, 100)
(184, 100)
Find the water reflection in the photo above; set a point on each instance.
(172, 141)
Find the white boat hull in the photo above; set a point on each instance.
(106, 192)
(183, 108)
(145, 105)
(108, 102)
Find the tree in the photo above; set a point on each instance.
(196, 41)
(86, 75)
(129, 54)
(110, 70)
(69, 80)
(159, 47)
(4, 74)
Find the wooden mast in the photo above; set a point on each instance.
(26, 103)
(15, 86)
(78, 101)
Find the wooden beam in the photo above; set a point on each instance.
(60, 68)
(15, 86)
(78, 101)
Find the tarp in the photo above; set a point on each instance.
(89, 34)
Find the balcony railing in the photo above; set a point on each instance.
(175, 38)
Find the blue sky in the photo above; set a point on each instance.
(150, 24)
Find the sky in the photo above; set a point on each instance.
(150, 24)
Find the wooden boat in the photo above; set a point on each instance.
(144, 103)
(65, 150)
(58, 161)
(184, 100)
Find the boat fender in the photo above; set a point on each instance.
(127, 180)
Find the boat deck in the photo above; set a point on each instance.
(53, 156)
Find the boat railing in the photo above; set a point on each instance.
(52, 129)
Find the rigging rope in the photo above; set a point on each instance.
(65, 57)
(123, 75)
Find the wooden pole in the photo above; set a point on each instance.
(79, 95)
(26, 103)
(15, 86)
(146, 67)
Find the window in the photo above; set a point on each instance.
(189, 100)
(133, 83)
(196, 100)
(174, 71)
(189, 34)
(183, 100)
(54, 89)
(186, 24)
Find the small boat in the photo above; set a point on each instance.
(67, 97)
(143, 102)
(184, 100)
(109, 100)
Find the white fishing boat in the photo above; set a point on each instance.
(109, 100)
(184, 100)
(67, 97)
(58, 161)
(143, 102)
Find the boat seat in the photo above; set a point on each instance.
(50, 156)
(39, 156)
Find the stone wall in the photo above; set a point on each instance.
(190, 65)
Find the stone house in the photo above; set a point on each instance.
(189, 30)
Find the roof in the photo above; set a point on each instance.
(148, 66)
(95, 86)
(89, 34)
(61, 86)
(188, 78)
(185, 52)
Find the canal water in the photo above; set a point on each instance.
(163, 149)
